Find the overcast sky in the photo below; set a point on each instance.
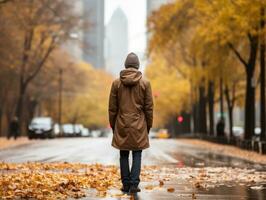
(136, 14)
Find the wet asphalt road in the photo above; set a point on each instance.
(162, 152)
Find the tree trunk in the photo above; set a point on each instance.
(250, 83)
(250, 88)
(202, 111)
(230, 106)
(211, 107)
(221, 98)
(1, 123)
(195, 112)
(262, 78)
(171, 126)
(20, 107)
(231, 123)
(195, 118)
(4, 100)
(249, 105)
(192, 119)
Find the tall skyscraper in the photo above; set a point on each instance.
(153, 5)
(93, 34)
(116, 42)
(73, 46)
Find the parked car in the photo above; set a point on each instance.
(72, 130)
(41, 127)
(106, 132)
(257, 131)
(78, 129)
(152, 133)
(238, 131)
(85, 132)
(56, 129)
(163, 134)
(68, 130)
(95, 133)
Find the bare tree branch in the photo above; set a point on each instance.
(236, 52)
(42, 61)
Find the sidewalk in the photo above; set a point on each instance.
(5, 143)
(66, 168)
(226, 150)
(94, 181)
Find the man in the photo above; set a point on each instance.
(13, 128)
(130, 116)
(220, 127)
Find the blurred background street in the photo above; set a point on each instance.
(169, 153)
(57, 68)
(205, 61)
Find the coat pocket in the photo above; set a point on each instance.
(130, 120)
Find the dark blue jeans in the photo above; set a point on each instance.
(130, 177)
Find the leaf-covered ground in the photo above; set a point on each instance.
(64, 180)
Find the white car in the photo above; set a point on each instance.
(85, 132)
(78, 129)
(95, 133)
(68, 130)
(56, 129)
(257, 131)
(238, 131)
(72, 130)
(152, 133)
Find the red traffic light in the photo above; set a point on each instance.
(180, 119)
(156, 94)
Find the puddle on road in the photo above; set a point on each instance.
(184, 191)
(224, 191)
(207, 159)
(239, 191)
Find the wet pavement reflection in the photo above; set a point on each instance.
(166, 153)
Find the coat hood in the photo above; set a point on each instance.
(130, 76)
(132, 60)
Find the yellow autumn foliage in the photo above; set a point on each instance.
(170, 90)
(88, 104)
(195, 36)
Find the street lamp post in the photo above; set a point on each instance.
(60, 100)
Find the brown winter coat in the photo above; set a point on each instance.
(130, 110)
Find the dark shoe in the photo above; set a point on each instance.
(125, 188)
(134, 189)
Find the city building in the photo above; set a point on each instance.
(116, 42)
(73, 46)
(93, 33)
(152, 5)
